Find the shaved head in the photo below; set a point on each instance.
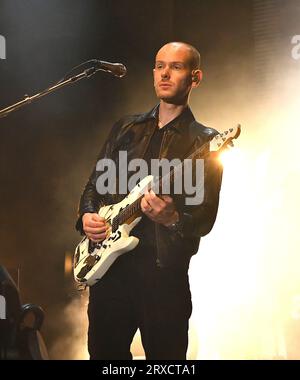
(194, 55)
(176, 72)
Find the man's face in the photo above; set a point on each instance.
(173, 74)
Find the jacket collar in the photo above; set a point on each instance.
(180, 123)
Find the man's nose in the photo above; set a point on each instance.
(165, 74)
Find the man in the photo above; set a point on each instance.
(148, 287)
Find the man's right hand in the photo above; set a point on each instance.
(94, 227)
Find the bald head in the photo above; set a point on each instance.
(176, 72)
(194, 58)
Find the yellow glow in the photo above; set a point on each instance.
(68, 263)
(231, 157)
(245, 278)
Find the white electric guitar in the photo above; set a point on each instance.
(92, 260)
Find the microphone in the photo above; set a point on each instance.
(117, 69)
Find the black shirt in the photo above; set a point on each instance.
(145, 230)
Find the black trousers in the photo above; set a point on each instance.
(135, 293)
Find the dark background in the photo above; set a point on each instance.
(48, 148)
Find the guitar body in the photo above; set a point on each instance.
(92, 260)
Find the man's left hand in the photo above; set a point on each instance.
(159, 209)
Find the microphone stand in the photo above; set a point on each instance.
(29, 99)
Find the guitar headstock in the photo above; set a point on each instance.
(222, 140)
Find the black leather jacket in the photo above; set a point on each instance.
(133, 134)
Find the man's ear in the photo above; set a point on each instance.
(196, 77)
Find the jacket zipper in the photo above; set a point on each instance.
(147, 145)
(158, 262)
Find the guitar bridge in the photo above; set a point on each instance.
(92, 246)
